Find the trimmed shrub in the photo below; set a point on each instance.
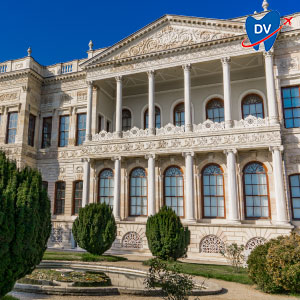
(167, 238)
(95, 228)
(25, 222)
(283, 262)
(275, 266)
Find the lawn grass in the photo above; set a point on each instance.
(9, 298)
(222, 272)
(79, 256)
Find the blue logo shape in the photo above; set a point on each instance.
(263, 29)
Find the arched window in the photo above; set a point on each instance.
(256, 192)
(215, 110)
(252, 105)
(77, 196)
(179, 114)
(138, 192)
(295, 195)
(59, 201)
(213, 192)
(174, 190)
(106, 187)
(126, 119)
(157, 118)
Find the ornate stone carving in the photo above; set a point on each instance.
(251, 121)
(211, 244)
(208, 125)
(8, 96)
(65, 99)
(132, 240)
(288, 64)
(170, 129)
(81, 96)
(254, 242)
(104, 135)
(57, 235)
(171, 37)
(135, 132)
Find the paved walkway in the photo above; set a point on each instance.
(232, 290)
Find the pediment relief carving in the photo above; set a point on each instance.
(171, 37)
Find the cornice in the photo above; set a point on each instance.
(21, 74)
(166, 52)
(65, 77)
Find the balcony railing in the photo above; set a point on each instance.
(3, 68)
(171, 129)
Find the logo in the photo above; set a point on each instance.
(264, 30)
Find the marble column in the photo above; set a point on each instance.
(151, 101)
(151, 184)
(86, 181)
(281, 207)
(270, 84)
(117, 187)
(233, 210)
(189, 187)
(227, 91)
(119, 106)
(88, 135)
(187, 98)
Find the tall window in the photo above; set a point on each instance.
(108, 126)
(179, 114)
(215, 110)
(252, 105)
(256, 191)
(138, 192)
(291, 106)
(100, 123)
(295, 195)
(12, 123)
(63, 131)
(46, 135)
(81, 127)
(59, 204)
(77, 196)
(157, 118)
(106, 187)
(45, 185)
(213, 192)
(126, 119)
(31, 130)
(173, 190)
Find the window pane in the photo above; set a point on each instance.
(291, 100)
(138, 192)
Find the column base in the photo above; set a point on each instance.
(88, 137)
(229, 124)
(190, 221)
(233, 221)
(273, 120)
(118, 134)
(188, 128)
(283, 223)
(152, 131)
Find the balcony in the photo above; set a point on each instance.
(250, 133)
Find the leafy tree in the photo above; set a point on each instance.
(95, 228)
(25, 222)
(167, 238)
(234, 254)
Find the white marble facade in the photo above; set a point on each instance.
(176, 114)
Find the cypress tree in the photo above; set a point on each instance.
(25, 222)
(167, 238)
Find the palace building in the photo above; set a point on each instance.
(176, 114)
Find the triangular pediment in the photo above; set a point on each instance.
(168, 33)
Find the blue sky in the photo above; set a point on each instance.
(59, 31)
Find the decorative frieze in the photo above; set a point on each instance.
(9, 96)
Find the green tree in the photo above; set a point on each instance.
(167, 238)
(25, 222)
(95, 228)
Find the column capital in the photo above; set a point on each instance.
(119, 78)
(86, 160)
(278, 148)
(226, 60)
(117, 157)
(150, 155)
(89, 83)
(188, 153)
(187, 67)
(151, 73)
(268, 53)
(227, 151)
